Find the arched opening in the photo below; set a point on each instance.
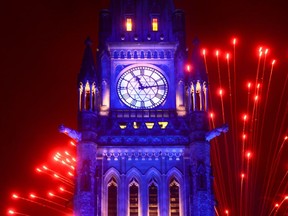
(80, 96)
(112, 198)
(174, 198)
(133, 199)
(198, 98)
(201, 177)
(192, 95)
(153, 200)
(87, 97)
(205, 97)
(93, 97)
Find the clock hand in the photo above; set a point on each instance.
(152, 86)
(141, 87)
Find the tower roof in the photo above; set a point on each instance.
(198, 67)
(141, 14)
(87, 71)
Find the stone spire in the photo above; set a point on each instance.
(87, 71)
(198, 67)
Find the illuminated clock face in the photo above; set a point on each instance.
(142, 87)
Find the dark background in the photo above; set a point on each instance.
(42, 43)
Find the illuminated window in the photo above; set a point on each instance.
(154, 24)
(198, 99)
(87, 97)
(163, 125)
(192, 98)
(174, 198)
(153, 200)
(112, 198)
(122, 125)
(93, 96)
(128, 24)
(136, 125)
(80, 96)
(133, 199)
(149, 125)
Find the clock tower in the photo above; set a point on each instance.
(142, 122)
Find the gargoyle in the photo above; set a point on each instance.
(75, 135)
(216, 132)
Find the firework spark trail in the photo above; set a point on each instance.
(220, 189)
(13, 212)
(56, 175)
(233, 127)
(44, 205)
(273, 149)
(206, 69)
(251, 138)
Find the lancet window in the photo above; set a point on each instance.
(154, 24)
(134, 198)
(129, 24)
(174, 198)
(153, 200)
(112, 198)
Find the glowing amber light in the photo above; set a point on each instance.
(245, 117)
(248, 155)
(32, 196)
(154, 24)
(227, 56)
(204, 52)
(128, 24)
(249, 85)
(11, 212)
(211, 115)
(15, 196)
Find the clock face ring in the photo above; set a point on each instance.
(142, 87)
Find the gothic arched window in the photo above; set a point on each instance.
(161, 54)
(198, 99)
(87, 96)
(153, 200)
(174, 198)
(134, 198)
(80, 96)
(93, 97)
(129, 55)
(116, 54)
(142, 55)
(112, 198)
(148, 54)
(192, 95)
(135, 55)
(154, 24)
(201, 177)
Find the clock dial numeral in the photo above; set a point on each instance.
(152, 102)
(133, 102)
(159, 96)
(142, 72)
(126, 96)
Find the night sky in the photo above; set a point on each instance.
(42, 43)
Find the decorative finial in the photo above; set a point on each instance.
(196, 41)
(88, 41)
